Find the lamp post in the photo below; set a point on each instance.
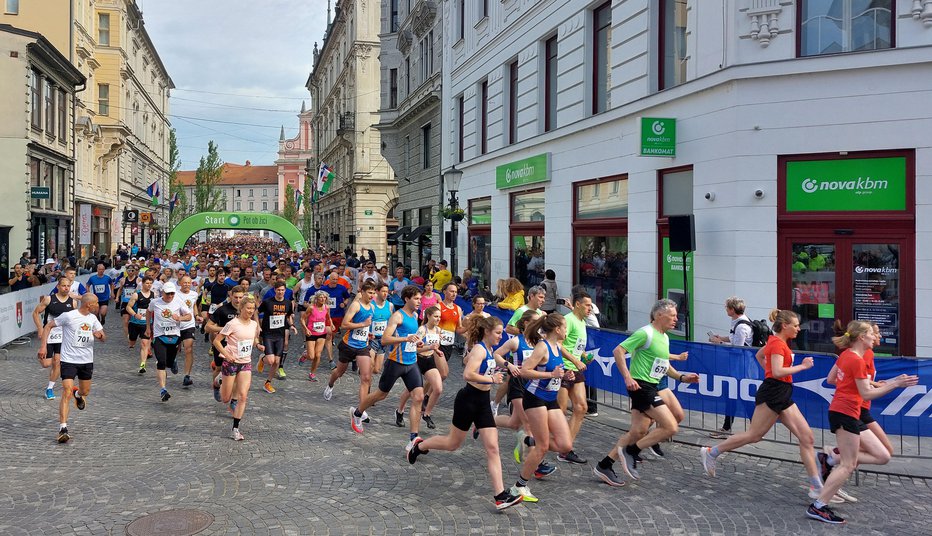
(452, 179)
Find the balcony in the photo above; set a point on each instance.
(347, 124)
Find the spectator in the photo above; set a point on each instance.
(442, 276)
(416, 278)
(511, 292)
(740, 334)
(24, 259)
(550, 292)
(21, 278)
(469, 287)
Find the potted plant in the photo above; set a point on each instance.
(453, 213)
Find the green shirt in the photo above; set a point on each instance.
(519, 313)
(291, 281)
(575, 341)
(648, 364)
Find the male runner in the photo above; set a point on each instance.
(138, 309)
(574, 389)
(218, 319)
(277, 317)
(188, 296)
(381, 312)
(355, 343)
(164, 327)
(53, 306)
(127, 287)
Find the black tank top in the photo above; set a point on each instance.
(57, 307)
(142, 302)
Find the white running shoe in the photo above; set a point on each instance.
(814, 494)
(846, 496)
(237, 436)
(708, 462)
(328, 393)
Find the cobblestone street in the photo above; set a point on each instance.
(302, 470)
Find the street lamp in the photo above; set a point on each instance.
(452, 179)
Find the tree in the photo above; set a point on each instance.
(174, 185)
(207, 196)
(307, 226)
(290, 212)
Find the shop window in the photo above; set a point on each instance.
(527, 237)
(836, 26)
(600, 231)
(673, 53)
(480, 239)
(49, 108)
(601, 56)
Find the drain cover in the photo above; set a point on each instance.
(179, 522)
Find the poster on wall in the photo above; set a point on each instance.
(84, 225)
(671, 274)
(876, 282)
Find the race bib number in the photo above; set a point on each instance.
(659, 369)
(410, 347)
(55, 335)
(83, 338)
(378, 328)
(360, 334)
(100, 289)
(244, 349)
(213, 308)
(526, 354)
(128, 293)
(332, 303)
(276, 321)
(446, 337)
(170, 328)
(317, 327)
(580, 345)
(142, 312)
(554, 384)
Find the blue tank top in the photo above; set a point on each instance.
(359, 337)
(487, 367)
(546, 388)
(405, 353)
(523, 352)
(380, 316)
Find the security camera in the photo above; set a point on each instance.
(710, 196)
(759, 194)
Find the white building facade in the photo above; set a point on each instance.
(793, 134)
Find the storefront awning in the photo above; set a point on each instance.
(396, 236)
(414, 235)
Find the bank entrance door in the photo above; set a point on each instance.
(849, 275)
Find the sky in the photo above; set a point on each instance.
(240, 64)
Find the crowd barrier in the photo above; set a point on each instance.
(730, 375)
(16, 310)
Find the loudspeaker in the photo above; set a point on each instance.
(352, 239)
(334, 237)
(448, 238)
(682, 233)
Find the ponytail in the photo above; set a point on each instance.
(855, 329)
(479, 327)
(781, 317)
(542, 325)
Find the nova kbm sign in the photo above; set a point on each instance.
(521, 172)
(658, 136)
(849, 184)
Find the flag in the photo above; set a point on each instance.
(298, 196)
(172, 202)
(324, 179)
(153, 192)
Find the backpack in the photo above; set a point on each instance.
(760, 331)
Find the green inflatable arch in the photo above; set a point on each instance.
(235, 220)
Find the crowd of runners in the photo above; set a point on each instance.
(254, 301)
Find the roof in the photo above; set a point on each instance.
(235, 174)
(46, 51)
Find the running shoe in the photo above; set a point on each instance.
(824, 467)
(544, 470)
(268, 387)
(525, 493)
(571, 457)
(608, 476)
(365, 417)
(520, 447)
(708, 462)
(592, 414)
(328, 393)
(814, 494)
(237, 436)
(142, 367)
(261, 365)
(824, 514)
(399, 419)
(311, 377)
(79, 401)
(281, 373)
(494, 409)
(187, 381)
(175, 367)
(411, 454)
(655, 450)
(510, 499)
(165, 395)
(429, 422)
(846, 496)
(63, 436)
(721, 433)
(303, 358)
(356, 422)
(629, 464)
(217, 393)
(50, 394)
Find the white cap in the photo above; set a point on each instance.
(169, 288)
(50, 261)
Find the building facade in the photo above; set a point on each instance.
(244, 188)
(410, 125)
(36, 147)
(587, 129)
(121, 118)
(295, 156)
(344, 87)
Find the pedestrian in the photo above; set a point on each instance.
(740, 334)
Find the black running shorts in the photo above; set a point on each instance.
(472, 406)
(776, 394)
(409, 374)
(847, 423)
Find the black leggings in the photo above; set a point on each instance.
(164, 353)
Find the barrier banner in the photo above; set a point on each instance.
(16, 310)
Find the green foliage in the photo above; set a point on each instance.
(174, 185)
(290, 212)
(207, 194)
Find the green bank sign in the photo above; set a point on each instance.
(527, 171)
(851, 184)
(658, 136)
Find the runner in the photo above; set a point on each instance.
(165, 317)
(472, 407)
(649, 347)
(77, 288)
(241, 333)
(127, 287)
(396, 285)
(218, 320)
(429, 298)
(189, 297)
(317, 325)
(354, 347)
(535, 298)
(79, 329)
(543, 372)
(451, 324)
(369, 274)
(138, 308)
(52, 307)
(380, 315)
(573, 388)
(518, 349)
(102, 287)
(774, 400)
(277, 318)
(429, 360)
(857, 444)
(338, 299)
(401, 332)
